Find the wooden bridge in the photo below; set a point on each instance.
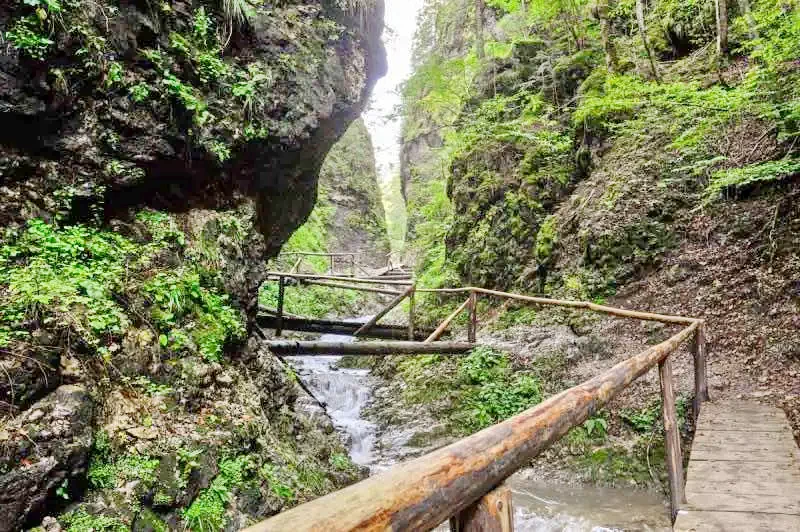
(744, 471)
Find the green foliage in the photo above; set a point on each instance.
(188, 97)
(107, 471)
(546, 239)
(27, 37)
(68, 277)
(252, 86)
(178, 295)
(492, 392)
(63, 490)
(81, 521)
(740, 178)
(596, 427)
(114, 74)
(207, 512)
(72, 278)
(140, 92)
(643, 420)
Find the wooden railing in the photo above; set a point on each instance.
(463, 481)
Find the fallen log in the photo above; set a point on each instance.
(345, 328)
(369, 348)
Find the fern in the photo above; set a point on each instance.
(737, 178)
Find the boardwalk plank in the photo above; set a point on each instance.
(698, 521)
(744, 471)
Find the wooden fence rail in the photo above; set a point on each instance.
(422, 493)
(463, 481)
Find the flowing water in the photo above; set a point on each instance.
(538, 506)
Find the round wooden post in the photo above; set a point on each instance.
(700, 354)
(473, 317)
(281, 289)
(672, 437)
(493, 512)
(411, 300)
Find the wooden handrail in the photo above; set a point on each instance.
(421, 493)
(624, 313)
(336, 278)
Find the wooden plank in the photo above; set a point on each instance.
(787, 503)
(493, 512)
(473, 317)
(727, 471)
(623, 313)
(704, 521)
(724, 453)
(741, 487)
(359, 280)
(411, 304)
(752, 439)
(759, 446)
(424, 492)
(672, 437)
(369, 348)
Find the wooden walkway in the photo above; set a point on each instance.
(744, 471)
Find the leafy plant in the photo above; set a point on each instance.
(207, 512)
(81, 521)
(739, 178)
(25, 35)
(596, 427)
(140, 92)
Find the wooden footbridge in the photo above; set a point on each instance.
(743, 474)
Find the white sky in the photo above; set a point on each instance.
(401, 23)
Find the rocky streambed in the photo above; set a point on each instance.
(364, 409)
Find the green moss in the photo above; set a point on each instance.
(82, 521)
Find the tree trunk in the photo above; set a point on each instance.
(607, 33)
(744, 7)
(722, 26)
(479, 29)
(643, 32)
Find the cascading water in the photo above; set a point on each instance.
(538, 507)
(344, 393)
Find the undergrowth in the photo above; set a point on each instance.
(96, 284)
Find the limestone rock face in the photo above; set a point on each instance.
(51, 441)
(179, 106)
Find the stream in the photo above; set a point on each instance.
(538, 506)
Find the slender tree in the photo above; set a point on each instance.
(744, 8)
(479, 29)
(643, 32)
(603, 10)
(722, 26)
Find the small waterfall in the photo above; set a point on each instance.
(345, 392)
(538, 506)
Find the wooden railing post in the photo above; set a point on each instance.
(672, 437)
(700, 354)
(333, 267)
(281, 289)
(396, 301)
(446, 323)
(473, 317)
(491, 513)
(411, 301)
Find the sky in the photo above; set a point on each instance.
(401, 23)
